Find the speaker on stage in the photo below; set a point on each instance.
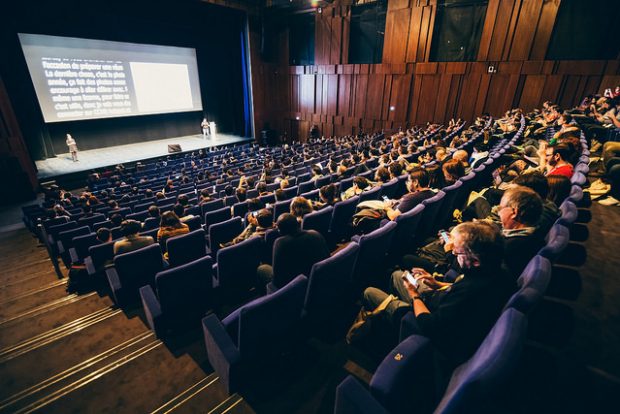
(172, 148)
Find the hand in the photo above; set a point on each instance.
(418, 272)
(387, 204)
(429, 281)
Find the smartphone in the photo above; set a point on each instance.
(268, 205)
(445, 236)
(385, 198)
(255, 213)
(409, 277)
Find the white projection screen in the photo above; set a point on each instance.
(77, 79)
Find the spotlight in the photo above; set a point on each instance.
(392, 108)
(320, 10)
(297, 117)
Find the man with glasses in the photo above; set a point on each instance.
(455, 315)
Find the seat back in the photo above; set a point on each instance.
(89, 221)
(390, 188)
(340, 225)
(194, 223)
(536, 275)
(557, 240)
(281, 207)
(100, 254)
(186, 247)
(185, 291)
(138, 268)
(569, 213)
(533, 284)
(406, 230)
(65, 238)
(211, 206)
(236, 265)
(266, 323)
(81, 244)
(444, 214)
(476, 381)
(240, 209)
(329, 286)
(318, 220)
(217, 216)
(270, 238)
(428, 222)
(374, 247)
(306, 187)
(405, 372)
(224, 232)
(372, 194)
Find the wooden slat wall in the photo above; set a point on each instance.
(361, 95)
(342, 98)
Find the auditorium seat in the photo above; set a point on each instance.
(133, 270)
(242, 347)
(281, 207)
(186, 248)
(217, 216)
(445, 212)
(305, 187)
(557, 240)
(223, 232)
(478, 382)
(533, 284)
(428, 222)
(329, 295)
(211, 206)
(390, 189)
(403, 383)
(180, 296)
(236, 267)
(318, 220)
(340, 225)
(90, 221)
(371, 260)
(372, 194)
(81, 244)
(406, 231)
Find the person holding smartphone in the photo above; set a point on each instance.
(455, 316)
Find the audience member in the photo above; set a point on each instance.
(132, 241)
(294, 252)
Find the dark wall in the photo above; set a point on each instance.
(214, 32)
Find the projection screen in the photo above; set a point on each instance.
(78, 79)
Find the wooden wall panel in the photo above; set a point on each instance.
(531, 95)
(525, 29)
(341, 97)
(374, 97)
(397, 25)
(545, 29)
(399, 97)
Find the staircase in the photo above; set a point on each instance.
(65, 353)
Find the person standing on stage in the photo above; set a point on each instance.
(205, 127)
(72, 147)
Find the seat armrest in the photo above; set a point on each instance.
(223, 355)
(152, 310)
(115, 284)
(73, 255)
(353, 398)
(90, 267)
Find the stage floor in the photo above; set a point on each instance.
(63, 164)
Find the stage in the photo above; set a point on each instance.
(62, 164)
